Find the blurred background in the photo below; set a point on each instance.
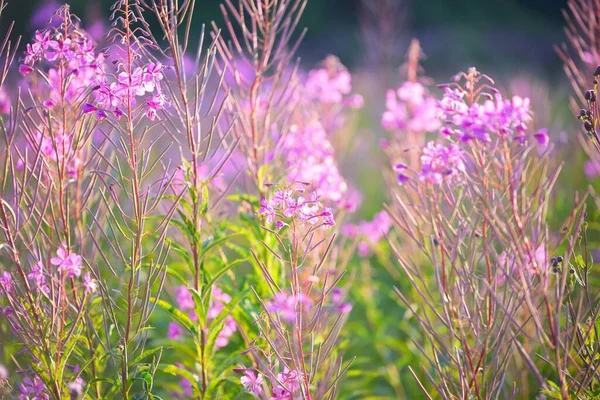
(513, 41)
(455, 34)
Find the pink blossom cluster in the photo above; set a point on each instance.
(328, 91)
(285, 205)
(439, 163)
(369, 232)
(537, 262)
(411, 109)
(482, 120)
(285, 385)
(288, 306)
(67, 262)
(67, 66)
(185, 301)
(58, 148)
(119, 95)
(310, 157)
(68, 265)
(331, 84)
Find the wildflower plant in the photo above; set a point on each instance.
(176, 221)
(479, 220)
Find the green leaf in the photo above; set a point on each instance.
(177, 315)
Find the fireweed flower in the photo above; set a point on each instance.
(38, 278)
(328, 91)
(6, 282)
(217, 304)
(67, 262)
(369, 232)
(33, 389)
(411, 109)
(90, 284)
(591, 168)
(310, 157)
(252, 382)
(484, 120)
(66, 60)
(536, 265)
(184, 298)
(174, 331)
(439, 162)
(328, 84)
(289, 384)
(284, 205)
(76, 388)
(287, 306)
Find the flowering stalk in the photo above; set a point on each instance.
(302, 322)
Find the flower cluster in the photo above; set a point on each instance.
(480, 121)
(411, 109)
(66, 65)
(285, 206)
(33, 389)
(284, 384)
(538, 262)
(439, 162)
(141, 82)
(331, 84)
(310, 157)
(328, 91)
(369, 232)
(218, 300)
(288, 306)
(67, 262)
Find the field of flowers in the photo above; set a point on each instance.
(182, 214)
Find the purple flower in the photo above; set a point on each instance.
(25, 69)
(3, 373)
(69, 262)
(542, 137)
(33, 389)
(186, 386)
(252, 382)
(88, 108)
(6, 282)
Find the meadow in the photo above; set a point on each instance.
(189, 210)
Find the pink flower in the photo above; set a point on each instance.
(38, 278)
(90, 284)
(25, 69)
(69, 262)
(441, 162)
(252, 382)
(288, 306)
(174, 331)
(184, 298)
(267, 210)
